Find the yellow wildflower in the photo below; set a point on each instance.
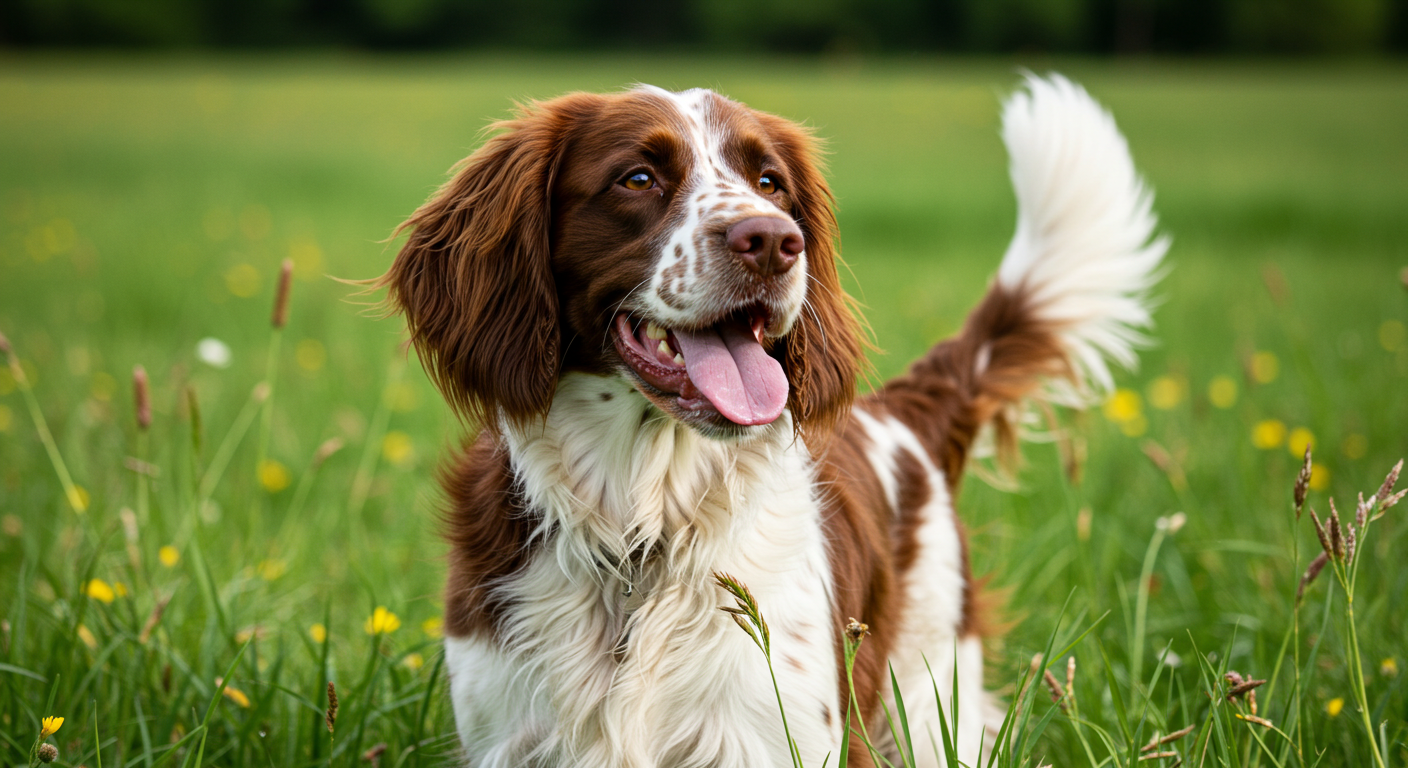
(1392, 335)
(1334, 707)
(1265, 367)
(273, 476)
(169, 556)
(382, 622)
(242, 280)
(1222, 391)
(1269, 434)
(396, 447)
(1389, 667)
(413, 661)
(78, 499)
(236, 695)
(1165, 393)
(1300, 439)
(1123, 405)
(319, 633)
(100, 590)
(119, 589)
(50, 726)
(270, 570)
(311, 355)
(1319, 477)
(434, 627)
(1354, 446)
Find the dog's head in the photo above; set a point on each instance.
(681, 240)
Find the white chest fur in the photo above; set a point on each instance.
(580, 674)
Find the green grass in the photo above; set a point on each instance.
(136, 193)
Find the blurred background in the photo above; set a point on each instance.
(777, 26)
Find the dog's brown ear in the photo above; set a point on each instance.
(824, 352)
(474, 279)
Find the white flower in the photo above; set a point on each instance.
(213, 352)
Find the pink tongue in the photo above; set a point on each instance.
(731, 368)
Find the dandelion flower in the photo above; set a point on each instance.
(271, 570)
(1354, 446)
(1269, 434)
(1265, 367)
(1123, 405)
(1222, 391)
(1300, 439)
(213, 352)
(1319, 477)
(413, 661)
(169, 556)
(1165, 393)
(237, 696)
(78, 498)
(1334, 707)
(319, 633)
(1389, 667)
(50, 726)
(86, 635)
(1392, 335)
(434, 627)
(274, 476)
(396, 447)
(100, 590)
(382, 622)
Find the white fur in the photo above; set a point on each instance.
(690, 689)
(933, 611)
(1082, 251)
(692, 277)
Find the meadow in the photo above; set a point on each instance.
(186, 598)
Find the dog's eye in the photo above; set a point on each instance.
(639, 181)
(767, 184)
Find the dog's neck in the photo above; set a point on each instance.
(617, 482)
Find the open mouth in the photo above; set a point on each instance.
(720, 368)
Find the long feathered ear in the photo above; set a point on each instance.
(824, 352)
(474, 279)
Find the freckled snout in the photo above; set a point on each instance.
(767, 245)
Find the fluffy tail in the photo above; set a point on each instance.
(1072, 290)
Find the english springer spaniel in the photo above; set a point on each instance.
(635, 297)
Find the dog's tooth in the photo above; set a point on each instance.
(653, 331)
(664, 347)
(679, 360)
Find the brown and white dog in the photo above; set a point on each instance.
(636, 295)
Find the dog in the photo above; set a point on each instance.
(635, 298)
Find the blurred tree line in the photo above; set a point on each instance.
(643, 26)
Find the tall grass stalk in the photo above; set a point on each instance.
(271, 365)
(76, 498)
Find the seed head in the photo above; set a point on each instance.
(1316, 565)
(1386, 490)
(373, 755)
(856, 630)
(326, 450)
(1302, 482)
(281, 297)
(1361, 513)
(48, 753)
(1240, 689)
(1071, 674)
(1058, 694)
(331, 716)
(140, 391)
(1336, 531)
(1320, 532)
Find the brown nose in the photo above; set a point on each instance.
(768, 245)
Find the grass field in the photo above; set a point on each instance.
(145, 204)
